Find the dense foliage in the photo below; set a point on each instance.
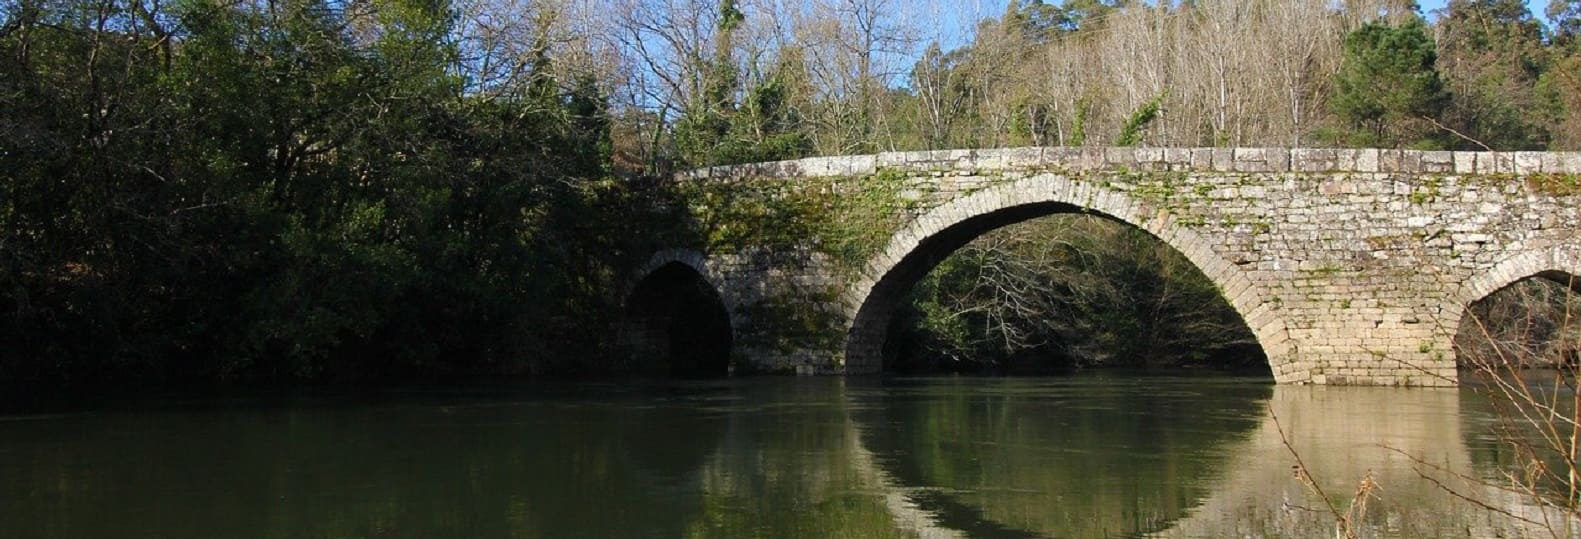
(1387, 85)
(292, 190)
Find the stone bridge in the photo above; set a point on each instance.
(1351, 266)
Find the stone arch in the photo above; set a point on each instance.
(675, 321)
(690, 258)
(917, 248)
(1559, 264)
(1548, 263)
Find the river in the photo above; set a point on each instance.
(1081, 456)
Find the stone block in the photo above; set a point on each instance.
(856, 165)
(1569, 163)
(1150, 156)
(1437, 162)
(1223, 160)
(1277, 159)
(1202, 159)
(1314, 160)
(1178, 158)
(1093, 158)
(961, 160)
(1528, 162)
(1368, 160)
(1119, 157)
(1023, 157)
(1495, 163)
(1058, 158)
(1465, 162)
(1400, 161)
(1250, 154)
(1552, 163)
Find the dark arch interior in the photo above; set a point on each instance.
(1560, 278)
(865, 346)
(677, 325)
(1532, 322)
(869, 348)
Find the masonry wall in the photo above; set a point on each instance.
(1352, 266)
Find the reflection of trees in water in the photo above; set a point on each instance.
(784, 469)
(743, 458)
(487, 468)
(1404, 439)
(819, 457)
(1064, 459)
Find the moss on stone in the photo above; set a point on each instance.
(788, 325)
(1555, 184)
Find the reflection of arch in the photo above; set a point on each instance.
(916, 249)
(675, 321)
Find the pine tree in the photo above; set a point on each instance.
(1388, 86)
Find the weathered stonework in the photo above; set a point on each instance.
(1350, 266)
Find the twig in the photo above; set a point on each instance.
(1457, 133)
(1342, 519)
(1418, 464)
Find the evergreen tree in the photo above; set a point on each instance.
(1388, 86)
(1565, 16)
(1491, 54)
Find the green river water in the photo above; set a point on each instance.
(1083, 456)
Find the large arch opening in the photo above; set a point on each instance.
(931, 238)
(1533, 321)
(1064, 292)
(676, 324)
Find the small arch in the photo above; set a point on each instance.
(675, 322)
(1556, 264)
(1528, 337)
(916, 249)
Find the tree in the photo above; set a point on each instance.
(705, 123)
(1131, 131)
(942, 96)
(1565, 15)
(1491, 54)
(1388, 86)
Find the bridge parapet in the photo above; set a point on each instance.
(1081, 159)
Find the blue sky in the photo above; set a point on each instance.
(1439, 4)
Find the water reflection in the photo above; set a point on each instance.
(1343, 434)
(1071, 457)
(1090, 458)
